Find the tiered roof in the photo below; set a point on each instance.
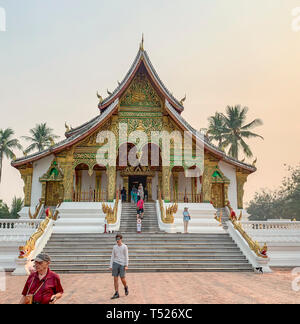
(110, 105)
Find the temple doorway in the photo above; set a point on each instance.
(53, 193)
(135, 181)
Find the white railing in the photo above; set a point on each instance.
(10, 225)
(270, 225)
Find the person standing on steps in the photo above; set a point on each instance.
(124, 194)
(119, 265)
(140, 192)
(186, 219)
(139, 225)
(140, 209)
(134, 195)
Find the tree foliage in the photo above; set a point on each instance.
(283, 203)
(12, 213)
(230, 130)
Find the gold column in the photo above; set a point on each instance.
(166, 175)
(209, 167)
(26, 175)
(126, 186)
(78, 186)
(241, 179)
(43, 196)
(66, 164)
(111, 182)
(149, 188)
(175, 186)
(98, 185)
(160, 181)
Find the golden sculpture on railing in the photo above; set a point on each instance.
(55, 216)
(30, 244)
(219, 219)
(254, 245)
(37, 211)
(111, 213)
(167, 216)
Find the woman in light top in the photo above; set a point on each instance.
(186, 219)
(140, 192)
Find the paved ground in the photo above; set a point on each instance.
(171, 288)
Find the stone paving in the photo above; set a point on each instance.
(171, 288)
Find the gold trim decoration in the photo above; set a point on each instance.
(26, 175)
(141, 93)
(54, 173)
(34, 216)
(241, 179)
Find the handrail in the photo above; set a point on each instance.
(254, 246)
(30, 244)
(37, 210)
(167, 216)
(111, 213)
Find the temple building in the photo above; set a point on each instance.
(68, 171)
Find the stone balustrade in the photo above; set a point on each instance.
(270, 225)
(17, 229)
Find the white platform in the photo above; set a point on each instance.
(202, 219)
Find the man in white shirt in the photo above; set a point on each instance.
(119, 265)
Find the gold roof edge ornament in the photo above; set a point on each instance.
(100, 98)
(183, 100)
(67, 127)
(142, 43)
(254, 162)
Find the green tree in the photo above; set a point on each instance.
(7, 145)
(4, 210)
(16, 207)
(282, 203)
(41, 138)
(216, 129)
(236, 130)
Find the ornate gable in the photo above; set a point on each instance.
(141, 93)
(54, 173)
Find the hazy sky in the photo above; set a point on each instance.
(55, 55)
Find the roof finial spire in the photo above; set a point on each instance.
(142, 43)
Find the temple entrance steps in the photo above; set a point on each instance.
(148, 252)
(128, 218)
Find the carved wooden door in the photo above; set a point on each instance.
(217, 195)
(53, 193)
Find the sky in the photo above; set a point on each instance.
(56, 54)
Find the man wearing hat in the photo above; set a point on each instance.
(42, 286)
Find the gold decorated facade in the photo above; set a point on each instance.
(142, 103)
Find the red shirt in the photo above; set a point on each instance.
(140, 204)
(50, 286)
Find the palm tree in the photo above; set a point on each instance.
(7, 144)
(4, 210)
(16, 206)
(216, 129)
(42, 138)
(236, 130)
